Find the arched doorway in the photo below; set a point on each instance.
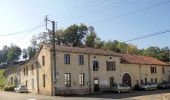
(126, 79)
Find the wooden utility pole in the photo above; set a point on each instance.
(54, 69)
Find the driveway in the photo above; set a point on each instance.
(135, 95)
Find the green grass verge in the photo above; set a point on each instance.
(2, 79)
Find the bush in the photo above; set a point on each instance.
(9, 88)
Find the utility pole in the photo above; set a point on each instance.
(53, 68)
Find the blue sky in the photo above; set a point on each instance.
(112, 19)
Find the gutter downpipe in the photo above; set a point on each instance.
(89, 72)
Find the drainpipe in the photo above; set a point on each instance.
(89, 72)
(37, 74)
(140, 74)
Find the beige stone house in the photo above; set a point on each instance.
(140, 69)
(85, 70)
(11, 75)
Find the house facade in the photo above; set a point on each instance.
(141, 69)
(86, 70)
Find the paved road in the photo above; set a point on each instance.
(135, 95)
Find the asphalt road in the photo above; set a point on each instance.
(135, 95)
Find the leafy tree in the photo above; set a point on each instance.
(4, 53)
(24, 54)
(91, 38)
(99, 43)
(31, 52)
(74, 34)
(152, 51)
(132, 49)
(42, 37)
(13, 53)
(122, 47)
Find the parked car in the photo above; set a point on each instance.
(148, 86)
(21, 89)
(117, 87)
(164, 85)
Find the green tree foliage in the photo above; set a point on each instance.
(91, 37)
(82, 35)
(10, 54)
(13, 53)
(31, 52)
(24, 54)
(3, 54)
(152, 51)
(74, 35)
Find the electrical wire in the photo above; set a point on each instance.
(146, 36)
(35, 28)
(133, 12)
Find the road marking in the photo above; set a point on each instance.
(31, 99)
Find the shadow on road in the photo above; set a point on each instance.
(120, 96)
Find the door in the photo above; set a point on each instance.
(126, 79)
(96, 85)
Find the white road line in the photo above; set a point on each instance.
(31, 99)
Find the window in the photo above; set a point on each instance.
(81, 79)
(32, 84)
(44, 83)
(66, 58)
(12, 80)
(110, 66)
(67, 77)
(151, 79)
(146, 80)
(26, 83)
(111, 81)
(95, 65)
(81, 60)
(141, 82)
(153, 69)
(26, 71)
(163, 70)
(155, 80)
(43, 60)
(32, 69)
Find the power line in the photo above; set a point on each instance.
(146, 36)
(97, 10)
(105, 7)
(30, 31)
(22, 32)
(133, 12)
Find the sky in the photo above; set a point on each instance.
(112, 19)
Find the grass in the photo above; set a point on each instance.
(2, 79)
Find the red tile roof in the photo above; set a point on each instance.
(136, 59)
(84, 50)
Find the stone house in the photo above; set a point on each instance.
(136, 69)
(86, 70)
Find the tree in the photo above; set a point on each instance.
(13, 53)
(4, 53)
(122, 47)
(34, 42)
(24, 54)
(132, 49)
(152, 51)
(91, 38)
(99, 43)
(42, 37)
(164, 54)
(31, 52)
(74, 34)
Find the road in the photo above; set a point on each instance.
(135, 95)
